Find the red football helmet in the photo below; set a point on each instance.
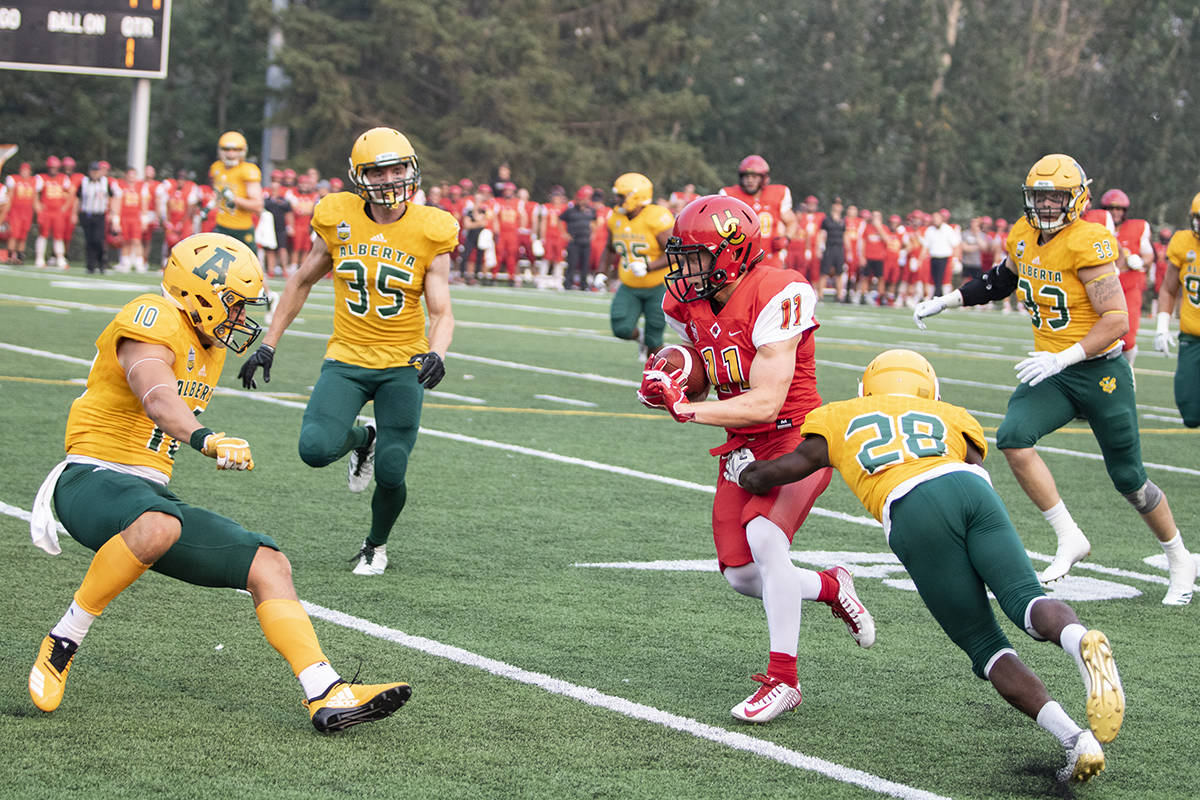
(716, 238)
(755, 164)
(1114, 198)
(53, 162)
(68, 163)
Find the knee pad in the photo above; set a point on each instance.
(1145, 499)
(391, 463)
(316, 450)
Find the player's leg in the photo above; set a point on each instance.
(654, 318)
(1187, 380)
(1107, 395)
(328, 430)
(1033, 412)
(398, 400)
(623, 316)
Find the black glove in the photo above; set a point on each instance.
(433, 369)
(262, 357)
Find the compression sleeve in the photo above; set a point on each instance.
(995, 284)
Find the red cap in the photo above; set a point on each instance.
(812, 198)
(584, 195)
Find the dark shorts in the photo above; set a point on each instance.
(1100, 391)
(246, 236)
(95, 504)
(833, 261)
(953, 535)
(872, 269)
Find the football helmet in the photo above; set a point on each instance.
(1194, 215)
(384, 147)
(213, 278)
(53, 162)
(68, 163)
(904, 372)
(633, 190)
(1060, 177)
(232, 148)
(716, 238)
(1114, 198)
(756, 165)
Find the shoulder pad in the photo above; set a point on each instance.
(441, 226)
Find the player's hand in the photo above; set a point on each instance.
(230, 452)
(660, 390)
(637, 268)
(751, 478)
(778, 243)
(1042, 364)
(735, 462)
(928, 308)
(228, 199)
(263, 357)
(1134, 261)
(433, 369)
(1163, 339)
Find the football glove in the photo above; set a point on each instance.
(228, 199)
(1163, 339)
(928, 308)
(637, 268)
(230, 452)
(660, 390)
(263, 357)
(1042, 364)
(1135, 262)
(735, 462)
(433, 369)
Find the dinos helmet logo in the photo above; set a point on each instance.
(729, 228)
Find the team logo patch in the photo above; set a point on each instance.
(1191, 256)
(343, 230)
(191, 359)
(1020, 248)
(1108, 384)
(715, 330)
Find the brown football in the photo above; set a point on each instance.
(687, 358)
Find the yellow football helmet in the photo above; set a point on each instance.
(1194, 215)
(1056, 173)
(903, 372)
(633, 190)
(213, 278)
(232, 148)
(384, 147)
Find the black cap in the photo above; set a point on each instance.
(94, 165)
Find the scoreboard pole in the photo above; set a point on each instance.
(139, 124)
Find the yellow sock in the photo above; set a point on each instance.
(289, 630)
(113, 569)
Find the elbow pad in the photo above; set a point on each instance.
(995, 284)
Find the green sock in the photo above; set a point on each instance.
(386, 505)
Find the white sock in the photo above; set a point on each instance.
(316, 678)
(1053, 719)
(39, 250)
(1061, 520)
(1069, 639)
(1174, 548)
(782, 581)
(74, 624)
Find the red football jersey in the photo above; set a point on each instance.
(769, 305)
(768, 204)
(55, 191)
(1134, 234)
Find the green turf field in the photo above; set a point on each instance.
(552, 595)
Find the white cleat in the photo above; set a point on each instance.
(1084, 760)
(772, 699)
(1105, 696)
(371, 560)
(1072, 548)
(1183, 578)
(361, 466)
(850, 610)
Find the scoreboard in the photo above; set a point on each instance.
(90, 37)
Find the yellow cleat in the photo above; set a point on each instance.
(345, 704)
(1106, 697)
(48, 678)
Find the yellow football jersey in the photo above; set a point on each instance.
(379, 277)
(1048, 284)
(107, 421)
(1183, 253)
(880, 442)
(637, 240)
(236, 179)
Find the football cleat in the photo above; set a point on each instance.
(346, 704)
(1072, 547)
(372, 560)
(1105, 696)
(1183, 578)
(48, 678)
(361, 467)
(849, 609)
(1084, 760)
(768, 702)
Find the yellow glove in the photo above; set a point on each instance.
(230, 452)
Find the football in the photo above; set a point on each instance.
(688, 359)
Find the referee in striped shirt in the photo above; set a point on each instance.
(96, 197)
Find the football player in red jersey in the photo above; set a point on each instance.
(508, 221)
(754, 326)
(552, 230)
(22, 188)
(1136, 252)
(772, 205)
(804, 252)
(54, 200)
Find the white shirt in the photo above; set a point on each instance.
(940, 241)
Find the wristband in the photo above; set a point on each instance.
(1164, 322)
(952, 300)
(198, 436)
(1072, 355)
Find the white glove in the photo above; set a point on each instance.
(1042, 364)
(1135, 262)
(228, 199)
(936, 305)
(637, 268)
(736, 461)
(1162, 335)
